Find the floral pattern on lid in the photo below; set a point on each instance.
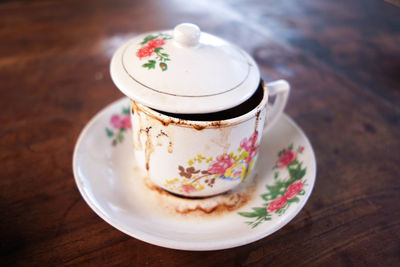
(152, 45)
(184, 71)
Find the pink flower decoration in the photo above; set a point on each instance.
(248, 144)
(126, 122)
(301, 149)
(145, 51)
(252, 154)
(276, 204)
(293, 190)
(116, 121)
(287, 157)
(155, 43)
(188, 188)
(120, 121)
(222, 163)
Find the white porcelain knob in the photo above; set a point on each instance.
(187, 34)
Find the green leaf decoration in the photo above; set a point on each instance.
(293, 200)
(248, 214)
(276, 190)
(158, 49)
(292, 172)
(297, 173)
(148, 38)
(261, 211)
(293, 163)
(125, 111)
(120, 137)
(282, 210)
(290, 147)
(276, 174)
(302, 173)
(151, 64)
(165, 36)
(109, 132)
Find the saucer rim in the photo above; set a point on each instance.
(173, 243)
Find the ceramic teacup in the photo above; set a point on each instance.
(197, 158)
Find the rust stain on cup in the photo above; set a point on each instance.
(161, 136)
(149, 148)
(166, 120)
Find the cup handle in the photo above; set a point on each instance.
(281, 89)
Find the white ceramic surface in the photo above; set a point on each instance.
(106, 175)
(184, 71)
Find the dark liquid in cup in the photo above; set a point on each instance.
(231, 113)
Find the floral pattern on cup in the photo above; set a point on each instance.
(151, 48)
(231, 167)
(120, 123)
(285, 191)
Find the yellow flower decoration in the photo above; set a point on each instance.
(236, 171)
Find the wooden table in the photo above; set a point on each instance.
(341, 57)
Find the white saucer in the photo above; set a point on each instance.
(119, 193)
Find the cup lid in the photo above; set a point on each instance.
(184, 71)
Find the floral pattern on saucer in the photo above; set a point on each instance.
(114, 188)
(285, 191)
(120, 123)
(232, 166)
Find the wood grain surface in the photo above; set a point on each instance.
(341, 57)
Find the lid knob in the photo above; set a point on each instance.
(187, 34)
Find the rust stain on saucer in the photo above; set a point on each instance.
(206, 207)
